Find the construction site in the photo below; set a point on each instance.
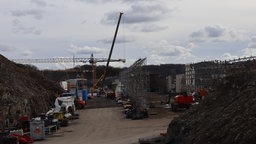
(206, 102)
(209, 102)
(225, 115)
(173, 72)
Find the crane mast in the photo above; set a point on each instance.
(111, 50)
(93, 62)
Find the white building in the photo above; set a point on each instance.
(190, 76)
(171, 83)
(180, 84)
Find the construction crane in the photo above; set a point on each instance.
(93, 62)
(61, 60)
(74, 60)
(111, 49)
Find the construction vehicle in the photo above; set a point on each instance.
(93, 62)
(111, 50)
(66, 102)
(77, 102)
(181, 101)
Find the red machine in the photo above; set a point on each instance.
(80, 104)
(181, 101)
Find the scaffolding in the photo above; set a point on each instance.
(133, 78)
(204, 74)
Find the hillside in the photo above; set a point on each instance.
(227, 115)
(82, 71)
(23, 91)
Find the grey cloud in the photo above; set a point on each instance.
(168, 50)
(118, 40)
(228, 56)
(122, 1)
(146, 13)
(37, 14)
(199, 33)
(252, 43)
(19, 28)
(96, 1)
(6, 48)
(191, 45)
(148, 28)
(253, 38)
(153, 28)
(209, 31)
(214, 31)
(173, 51)
(39, 3)
(110, 18)
(139, 14)
(84, 21)
(136, 1)
(27, 30)
(248, 52)
(85, 50)
(232, 34)
(27, 53)
(16, 22)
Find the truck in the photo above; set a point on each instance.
(181, 101)
(76, 102)
(66, 102)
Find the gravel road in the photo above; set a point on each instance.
(107, 126)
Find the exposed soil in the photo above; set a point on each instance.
(101, 102)
(227, 115)
(24, 91)
(107, 126)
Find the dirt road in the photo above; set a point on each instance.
(106, 126)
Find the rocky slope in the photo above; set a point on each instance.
(23, 91)
(227, 115)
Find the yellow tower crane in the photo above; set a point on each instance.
(91, 60)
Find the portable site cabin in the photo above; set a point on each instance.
(79, 86)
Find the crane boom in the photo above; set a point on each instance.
(64, 60)
(112, 46)
(90, 60)
(93, 61)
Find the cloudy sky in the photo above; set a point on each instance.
(163, 31)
